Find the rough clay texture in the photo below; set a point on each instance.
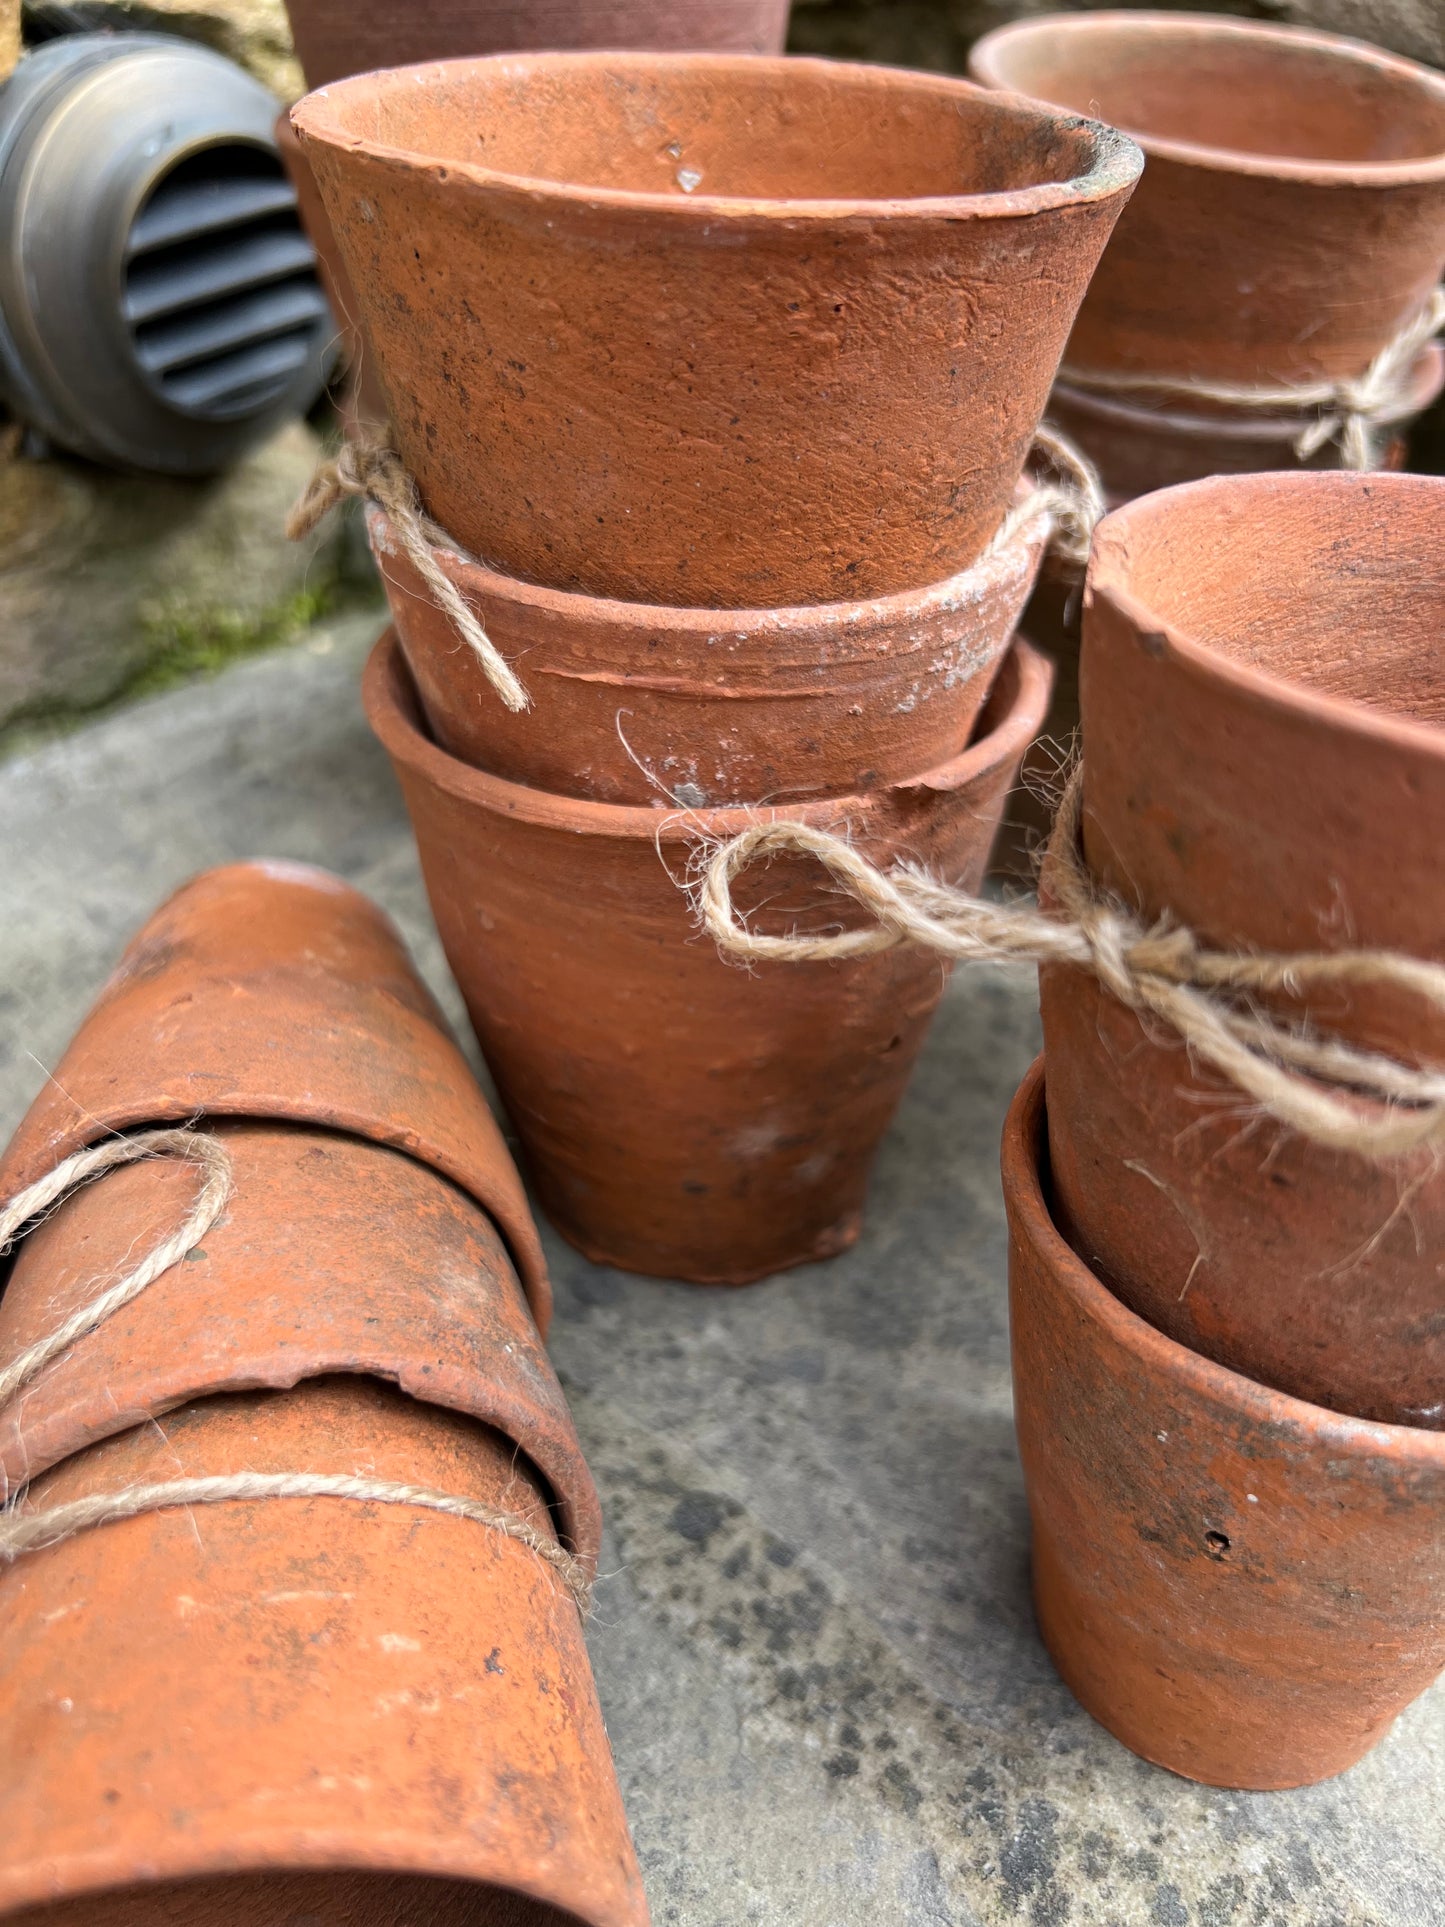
(684, 1117)
(695, 393)
(813, 1642)
(101, 574)
(939, 33)
(1262, 700)
(1241, 1587)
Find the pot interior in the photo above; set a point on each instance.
(1333, 582)
(1259, 93)
(307, 1899)
(764, 130)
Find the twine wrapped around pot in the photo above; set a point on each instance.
(1160, 970)
(23, 1531)
(369, 469)
(1355, 412)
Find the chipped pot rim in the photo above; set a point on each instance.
(1185, 30)
(1114, 158)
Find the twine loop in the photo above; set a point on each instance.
(369, 468)
(1355, 411)
(23, 1530)
(1303, 1079)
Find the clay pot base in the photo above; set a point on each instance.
(300, 1900)
(681, 1116)
(812, 310)
(1241, 1587)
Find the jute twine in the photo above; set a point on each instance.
(370, 469)
(23, 1531)
(1291, 1073)
(1356, 412)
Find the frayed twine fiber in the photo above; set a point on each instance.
(1160, 971)
(1356, 412)
(23, 1531)
(370, 469)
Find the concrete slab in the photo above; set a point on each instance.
(813, 1642)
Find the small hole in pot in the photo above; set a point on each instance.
(893, 1044)
(1216, 1544)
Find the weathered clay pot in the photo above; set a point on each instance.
(365, 397)
(1241, 1587)
(712, 332)
(333, 1255)
(633, 703)
(335, 38)
(1264, 734)
(273, 990)
(1292, 215)
(683, 1116)
(361, 1712)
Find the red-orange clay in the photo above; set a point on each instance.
(1264, 760)
(632, 703)
(682, 1115)
(274, 990)
(373, 1713)
(333, 1255)
(1241, 1587)
(708, 331)
(1292, 214)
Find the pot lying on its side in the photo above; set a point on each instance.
(335, 38)
(707, 331)
(1241, 1587)
(1264, 726)
(681, 1115)
(1290, 222)
(632, 703)
(312, 1708)
(274, 990)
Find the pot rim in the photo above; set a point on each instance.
(1110, 558)
(1024, 1157)
(1115, 166)
(1189, 27)
(573, 607)
(392, 709)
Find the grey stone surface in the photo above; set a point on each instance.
(813, 1641)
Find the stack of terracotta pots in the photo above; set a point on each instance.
(1229, 1341)
(729, 369)
(1289, 225)
(305, 1707)
(335, 38)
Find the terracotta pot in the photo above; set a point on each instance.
(1264, 728)
(713, 332)
(682, 1116)
(1138, 448)
(632, 703)
(272, 990)
(364, 399)
(335, 38)
(1241, 1587)
(364, 1712)
(334, 1255)
(1292, 216)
